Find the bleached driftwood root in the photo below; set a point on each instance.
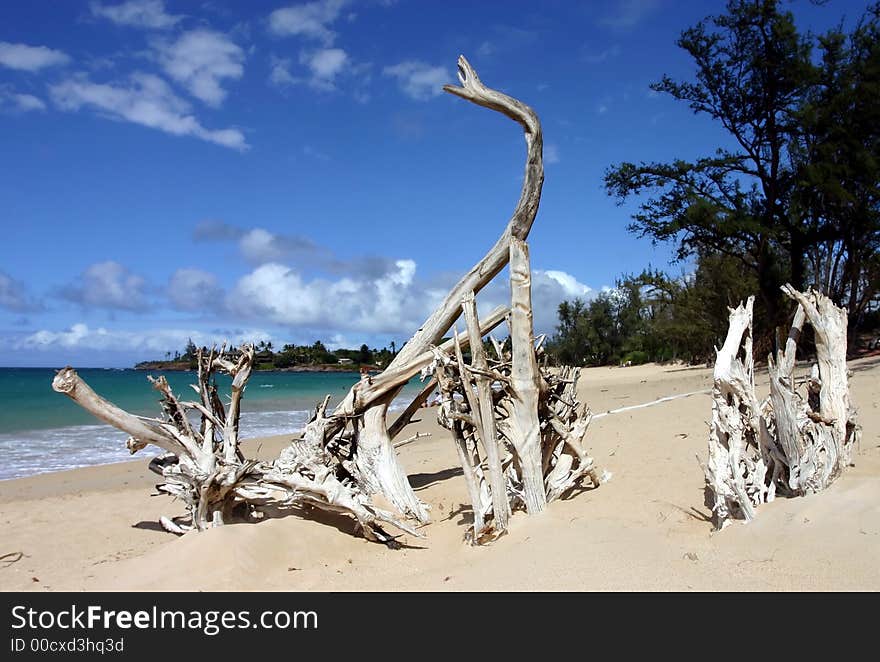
(203, 466)
(793, 443)
(736, 470)
(376, 460)
(518, 436)
(815, 432)
(482, 404)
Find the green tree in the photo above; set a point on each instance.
(838, 166)
(365, 355)
(654, 317)
(752, 72)
(189, 353)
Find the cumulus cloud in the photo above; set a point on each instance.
(325, 65)
(146, 100)
(136, 13)
(14, 295)
(12, 100)
(388, 303)
(549, 288)
(279, 73)
(194, 290)
(108, 285)
(201, 60)
(311, 20)
(418, 80)
(152, 343)
(323, 69)
(258, 245)
(30, 58)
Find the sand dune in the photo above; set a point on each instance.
(647, 529)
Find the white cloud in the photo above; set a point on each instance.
(419, 80)
(323, 69)
(11, 99)
(325, 65)
(571, 287)
(137, 13)
(108, 285)
(201, 60)
(146, 100)
(280, 73)
(311, 20)
(259, 245)
(153, 342)
(194, 289)
(14, 296)
(386, 303)
(30, 58)
(549, 289)
(551, 153)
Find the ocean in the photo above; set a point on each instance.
(42, 431)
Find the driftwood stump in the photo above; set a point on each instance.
(794, 442)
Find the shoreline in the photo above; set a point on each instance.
(647, 529)
(311, 368)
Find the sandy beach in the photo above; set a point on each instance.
(647, 529)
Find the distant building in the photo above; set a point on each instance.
(345, 361)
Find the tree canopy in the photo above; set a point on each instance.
(796, 198)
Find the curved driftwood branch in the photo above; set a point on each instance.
(519, 225)
(142, 430)
(376, 460)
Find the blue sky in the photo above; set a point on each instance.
(293, 171)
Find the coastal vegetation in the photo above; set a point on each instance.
(315, 357)
(791, 195)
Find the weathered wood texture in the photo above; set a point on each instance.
(794, 442)
(376, 460)
(736, 470)
(483, 407)
(204, 467)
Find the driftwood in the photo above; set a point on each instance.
(203, 465)
(518, 430)
(793, 443)
(376, 459)
(736, 470)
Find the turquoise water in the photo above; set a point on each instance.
(41, 430)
